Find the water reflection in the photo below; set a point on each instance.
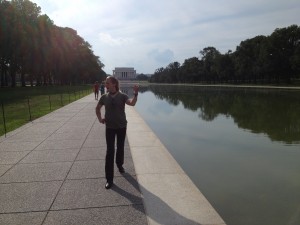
(275, 113)
(239, 146)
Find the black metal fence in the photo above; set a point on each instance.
(16, 113)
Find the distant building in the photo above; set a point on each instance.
(124, 73)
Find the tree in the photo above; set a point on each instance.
(247, 59)
(259, 59)
(142, 77)
(284, 44)
(32, 46)
(5, 39)
(225, 67)
(209, 56)
(24, 18)
(192, 70)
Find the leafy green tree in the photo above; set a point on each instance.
(263, 59)
(284, 44)
(247, 63)
(192, 70)
(5, 39)
(158, 75)
(225, 67)
(142, 77)
(32, 46)
(172, 72)
(295, 61)
(24, 18)
(209, 56)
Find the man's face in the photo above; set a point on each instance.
(109, 85)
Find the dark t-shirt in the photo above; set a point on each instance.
(115, 116)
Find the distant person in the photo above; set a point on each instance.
(102, 88)
(96, 90)
(116, 124)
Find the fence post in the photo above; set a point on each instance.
(29, 109)
(50, 102)
(2, 105)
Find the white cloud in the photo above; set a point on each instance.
(108, 39)
(165, 56)
(148, 35)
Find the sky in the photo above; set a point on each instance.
(150, 34)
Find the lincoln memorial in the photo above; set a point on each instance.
(124, 73)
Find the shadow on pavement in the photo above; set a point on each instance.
(164, 212)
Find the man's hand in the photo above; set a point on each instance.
(135, 89)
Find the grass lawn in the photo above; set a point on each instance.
(20, 105)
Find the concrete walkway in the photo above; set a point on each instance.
(52, 172)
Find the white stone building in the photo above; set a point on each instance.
(124, 73)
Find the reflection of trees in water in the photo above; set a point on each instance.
(273, 112)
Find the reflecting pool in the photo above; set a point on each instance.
(240, 146)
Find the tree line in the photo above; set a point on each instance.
(34, 50)
(262, 59)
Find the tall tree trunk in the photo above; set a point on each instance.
(23, 79)
(38, 81)
(13, 76)
(31, 80)
(1, 78)
(3, 75)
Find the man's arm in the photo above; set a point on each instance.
(98, 113)
(133, 100)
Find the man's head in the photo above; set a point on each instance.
(112, 84)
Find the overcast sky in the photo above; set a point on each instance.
(149, 34)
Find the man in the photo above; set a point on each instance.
(116, 124)
(102, 88)
(96, 90)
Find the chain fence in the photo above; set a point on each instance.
(16, 113)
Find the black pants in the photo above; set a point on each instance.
(110, 151)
